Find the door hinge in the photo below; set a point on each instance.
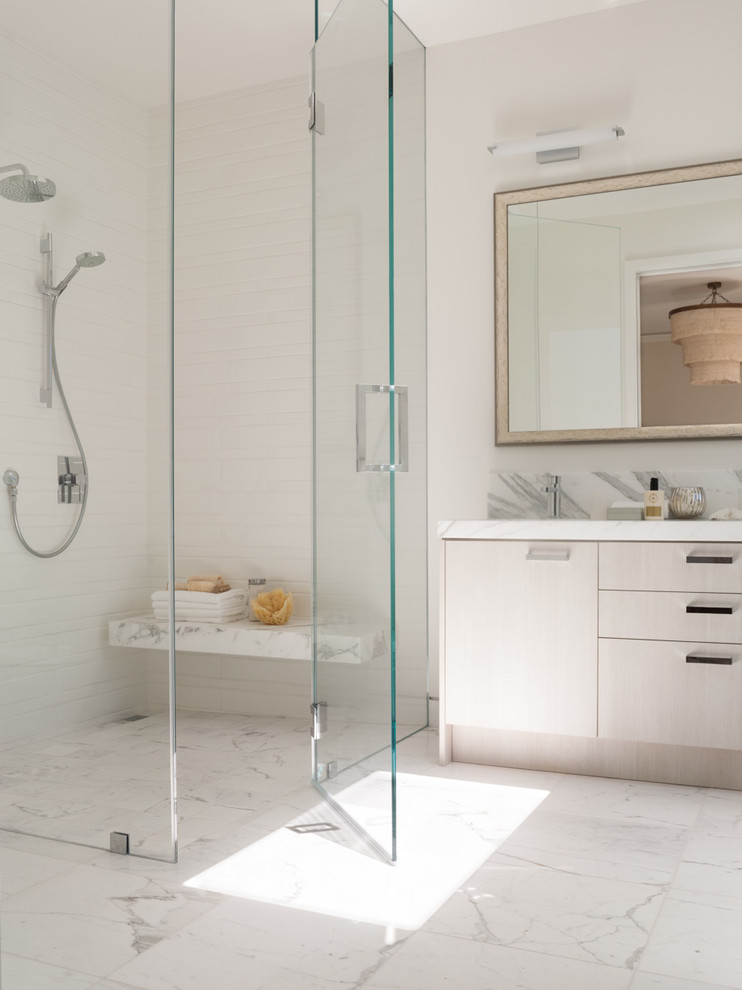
(319, 719)
(326, 771)
(316, 114)
(119, 843)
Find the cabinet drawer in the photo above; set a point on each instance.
(664, 615)
(649, 692)
(671, 566)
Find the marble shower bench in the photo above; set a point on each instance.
(247, 639)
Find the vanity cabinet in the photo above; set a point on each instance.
(670, 659)
(619, 655)
(521, 625)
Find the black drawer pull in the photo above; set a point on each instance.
(693, 658)
(690, 559)
(710, 609)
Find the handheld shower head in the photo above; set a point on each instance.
(89, 259)
(25, 188)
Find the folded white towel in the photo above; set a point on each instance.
(205, 597)
(727, 513)
(202, 620)
(187, 617)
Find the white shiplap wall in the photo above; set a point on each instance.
(242, 339)
(242, 370)
(56, 669)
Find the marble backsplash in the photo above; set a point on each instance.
(587, 495)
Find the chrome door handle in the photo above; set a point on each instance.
(401, 452)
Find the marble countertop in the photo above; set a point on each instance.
(249, 639)
(660, 531)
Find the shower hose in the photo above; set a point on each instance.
(11, 477)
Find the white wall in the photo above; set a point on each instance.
(667, 71)
(56, 669)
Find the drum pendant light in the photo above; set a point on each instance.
(710, 336)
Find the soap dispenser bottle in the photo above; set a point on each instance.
(654, 501)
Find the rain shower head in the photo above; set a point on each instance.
(89, 259)
(25, 188)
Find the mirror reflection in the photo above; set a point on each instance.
(586, 275)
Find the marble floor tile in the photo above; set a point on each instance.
(210, 832)
(433, 962)
(29, 974)
(650, 981)
(628, 800)
(722, 812)
(263, 947)
(586, 884)
(20, 870)
(697, 937)
(552, 912)
(115, 777)
(92, 920)
(707, 878)
(711, 863)
(445, 830)
(67, 851)
(627, 849)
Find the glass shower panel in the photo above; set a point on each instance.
(84, 733)
(579, 325)
(351, 356)
(410, 371)
(369, 412)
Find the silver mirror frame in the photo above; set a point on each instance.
(503, 200)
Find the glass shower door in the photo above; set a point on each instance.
(85, 738)
(369, 411)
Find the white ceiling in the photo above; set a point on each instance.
(228, 44)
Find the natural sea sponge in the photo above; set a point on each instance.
(274, 608)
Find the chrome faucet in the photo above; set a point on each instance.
(554, 490)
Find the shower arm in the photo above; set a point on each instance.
(18, 167)
(45, 392)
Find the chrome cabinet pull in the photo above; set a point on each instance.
(704, 559)
(710, 609)
(547, 555)
(695, 658)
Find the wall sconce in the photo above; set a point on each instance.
(557, 146)
(710, 335)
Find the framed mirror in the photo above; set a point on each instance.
(586, 274)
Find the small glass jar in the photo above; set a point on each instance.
(255, 587)
(687, 503)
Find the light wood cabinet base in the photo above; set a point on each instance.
(595, 757)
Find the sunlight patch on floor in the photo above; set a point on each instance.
(446, 830)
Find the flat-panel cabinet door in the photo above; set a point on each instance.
(521, 636)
